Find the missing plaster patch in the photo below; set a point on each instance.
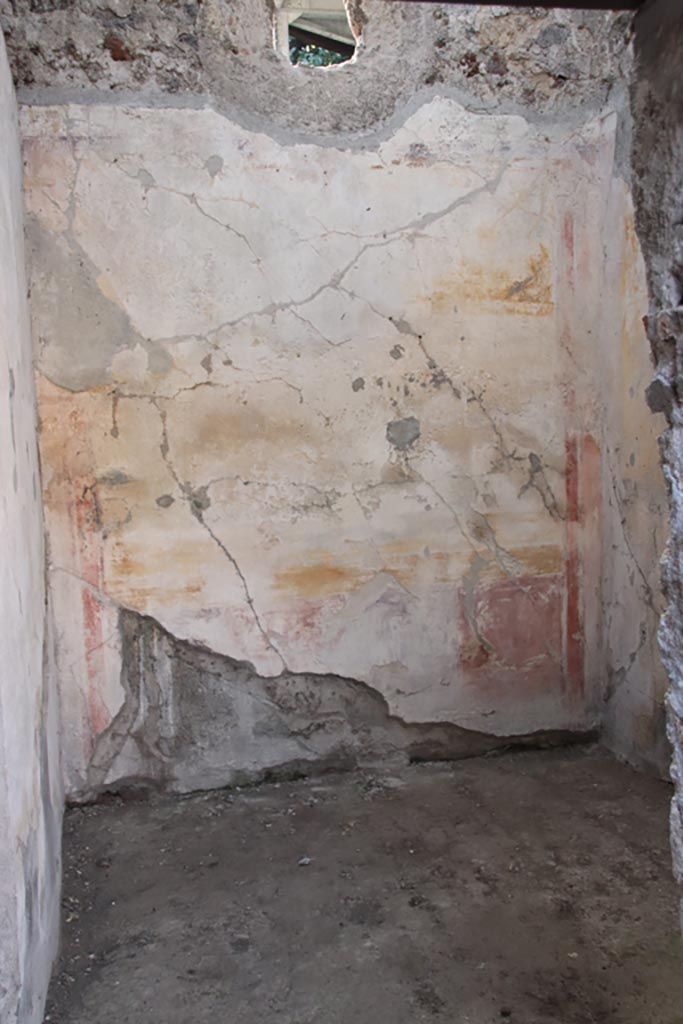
(314, 33)
(192, 719)
(403, 433)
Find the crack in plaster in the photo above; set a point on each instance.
(413, 226)
(538, 481)
(189, 494)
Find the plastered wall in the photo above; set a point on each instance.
(340, 387)
(634, 505)
(30, 783)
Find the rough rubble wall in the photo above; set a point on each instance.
(321, 387)
(658, 177)
(538, 60)
(30, 785)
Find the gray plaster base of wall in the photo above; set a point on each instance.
(196, 720)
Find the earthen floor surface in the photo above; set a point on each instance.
(530, 887)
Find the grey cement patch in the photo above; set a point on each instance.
(532, 888)
(193, 719)
(402, 434)
(77, 329)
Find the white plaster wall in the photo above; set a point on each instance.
(635, 505)
(329, 410)
(30, 786)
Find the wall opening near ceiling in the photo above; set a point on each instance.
(314, 33)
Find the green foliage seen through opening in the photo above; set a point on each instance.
(313, 56)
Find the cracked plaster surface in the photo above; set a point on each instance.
(328, 412)
(635, 513)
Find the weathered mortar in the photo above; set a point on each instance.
(536, 61)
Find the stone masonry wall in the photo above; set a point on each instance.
(538, 61)
(658, 177)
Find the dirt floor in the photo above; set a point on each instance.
(530, 887)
